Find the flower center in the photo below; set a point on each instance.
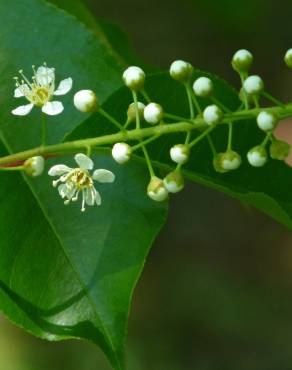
(39, 95)
(80, 179)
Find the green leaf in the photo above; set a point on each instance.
(113, 37)
(267, 188)
(65, 274)
(89, 64)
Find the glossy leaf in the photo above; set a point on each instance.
(65, 274)
(266, 188)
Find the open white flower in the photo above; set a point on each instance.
(73, 181)
(40, 91)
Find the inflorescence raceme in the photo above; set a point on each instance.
(79, 180)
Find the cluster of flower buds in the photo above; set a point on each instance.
(142, 112)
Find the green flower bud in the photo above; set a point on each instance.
(181, 71)
(86, 101)
(34, 166)
(266, 121)
(156, 190)
(257, 156)
(212, 115)
(174, 182)
(180, 153)
(131, 113)
(279, 150)
(242, 61)
(227, 161)
(288, 58)
(253, 85)
(134, 78)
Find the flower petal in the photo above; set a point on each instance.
(23, 110)
(103, 176)
(21, 91)
(63, 190)
(90, 196)
(44, 75)
(59, 170)
(97, 198)
(64, 87)
(53, 108)
(84, 162)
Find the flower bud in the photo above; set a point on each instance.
(156, 189)
(266, 121)
(242, 61)
(131, 113)
(86, 101)
(180, 153)
(243, 95)
(174, 182)
(279, 150)
(227, 161)
(212, 115)
(253, 85)
(153, 113)
(134, 78)
(203, 87)
(121, 152)
(34, 166)
(181, 71)
(288, 58)
(257, 156)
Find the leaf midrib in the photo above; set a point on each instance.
(62, 248)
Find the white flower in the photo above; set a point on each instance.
(266, 121)
(181, 71)
(34, 166)
(242, 60)
(153, 113)
(156, 190)
(212, 114)
(121, 152)
(40, 91)
(257, 156)
(203, 87)
(73, 181)
(179, 153)
(86, 101)
(134, 77)
(253, 85)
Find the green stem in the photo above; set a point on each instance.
(44, 128)
(145, 142)
(16, 168)
(138, 124)
(176, 118)
(242, 78)
(221, 105)
(127, 123)
(230, 133)
(190, 100)
(194, 98)
(200, 137)
(148, 161)
(266, 139)
(272, 99)
(212, 146)
(111, 119)
(146, 96)
(140, 134)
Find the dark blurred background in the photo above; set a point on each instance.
(216, 292)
